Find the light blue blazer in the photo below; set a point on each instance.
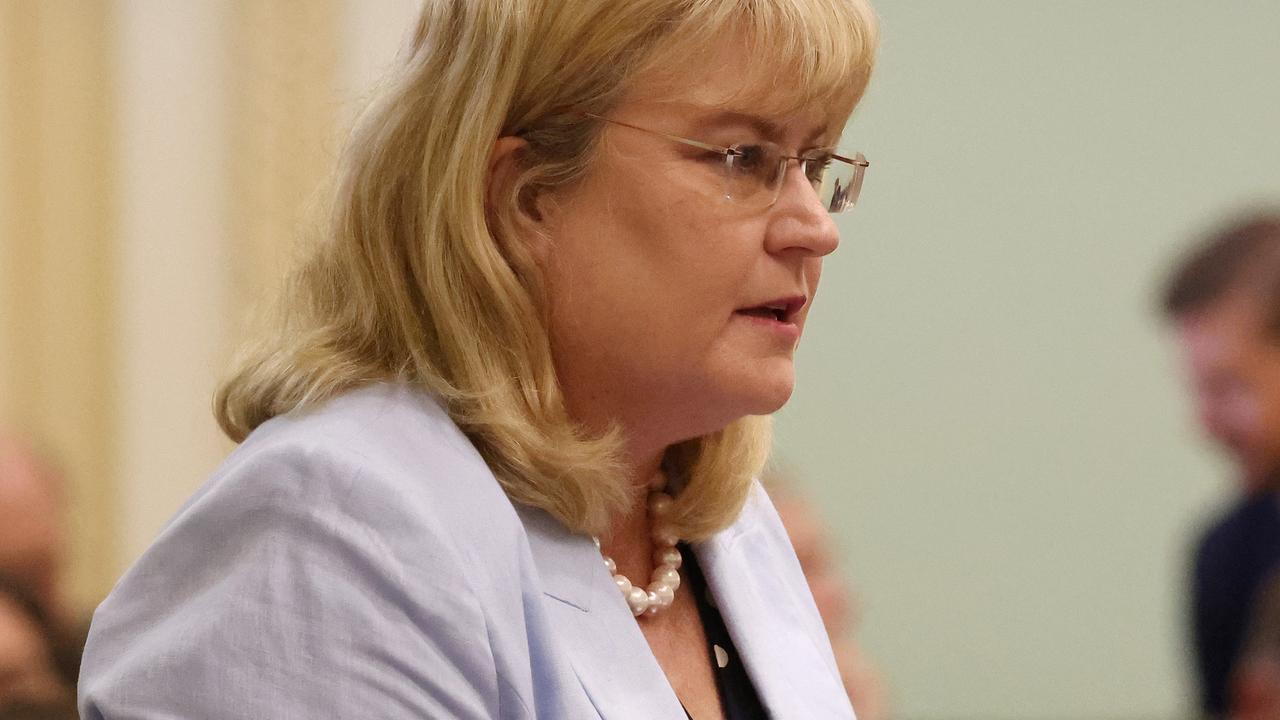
(361, 561)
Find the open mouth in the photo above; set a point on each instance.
(769, 313)
(783, 310)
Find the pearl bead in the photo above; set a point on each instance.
(655, 606)
(667, 576)
(661, 594)
(659, 504)
(664, 535)
(667, 556)
(638, 599)
(623, 584)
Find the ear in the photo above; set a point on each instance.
(506, 163)
(527, 219)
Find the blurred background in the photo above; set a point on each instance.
(990, 417)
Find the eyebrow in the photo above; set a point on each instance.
(766, 128)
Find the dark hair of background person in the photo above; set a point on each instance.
(64, 652)
(26, 599)
(22, 710)
(1244, 256)
(66, 644)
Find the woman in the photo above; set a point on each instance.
(572, 251)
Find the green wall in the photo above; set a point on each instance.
(989, 409)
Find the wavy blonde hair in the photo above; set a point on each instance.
(416, 279)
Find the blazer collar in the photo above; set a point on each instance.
(595, 628)
(569, 565)
(793, 672)
(757, 596)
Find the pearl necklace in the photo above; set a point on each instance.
(661, 591)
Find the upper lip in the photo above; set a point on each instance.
(789, 306)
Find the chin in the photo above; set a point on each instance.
(714, 400)
(768, 393)
(1259, 472)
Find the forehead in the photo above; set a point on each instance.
(729, 76)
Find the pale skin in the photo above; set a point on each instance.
(648, 269)
(1233, 367)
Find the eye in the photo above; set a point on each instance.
(750, 159)
(815, 166)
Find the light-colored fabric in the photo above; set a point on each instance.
(361, 561)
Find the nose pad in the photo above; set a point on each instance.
(780, 178)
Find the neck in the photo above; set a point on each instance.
(643, 470)
(643, 450)
(630, 540)
(648, 425)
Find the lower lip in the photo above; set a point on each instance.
(787, 330)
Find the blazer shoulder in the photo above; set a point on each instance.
(387, 452)
(330, 541)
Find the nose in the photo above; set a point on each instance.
(798, 223)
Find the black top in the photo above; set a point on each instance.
(1233, 559)
(737, 694)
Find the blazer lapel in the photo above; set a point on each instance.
(594, 627)
(766, 617)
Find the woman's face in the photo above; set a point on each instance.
(660, 287)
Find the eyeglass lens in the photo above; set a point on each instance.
(755, 174)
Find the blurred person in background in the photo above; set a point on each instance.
(32, 543)
(1223, 299)
(1254, 685)
(505, 434)
(837, 602)
(32, 685)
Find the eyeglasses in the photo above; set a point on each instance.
(754, 173)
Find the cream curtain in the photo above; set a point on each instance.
(57, 247)
(75, 236)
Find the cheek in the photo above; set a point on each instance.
(1240, 410)
(691, 271)
(653, 266)
(632, 286)
(812, 276)
(814, 273)
(1268, 411)
(1259, 403)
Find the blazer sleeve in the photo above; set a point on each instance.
(297, 584)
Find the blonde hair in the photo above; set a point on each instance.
(415, 280)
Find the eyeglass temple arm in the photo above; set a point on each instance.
(693, 143)
(860, 162)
